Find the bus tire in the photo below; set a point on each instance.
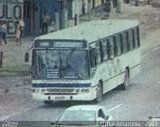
(125, 85)
(48, 102)
(99, 93)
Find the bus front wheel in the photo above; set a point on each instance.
(48, 102)
(125, 85)
(99, 93)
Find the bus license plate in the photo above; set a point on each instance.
(59, 98)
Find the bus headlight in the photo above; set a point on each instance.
(43, 90)
(37, 90)
(85, 90)
(77, 90)
(33, 90)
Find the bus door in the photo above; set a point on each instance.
(93, 61)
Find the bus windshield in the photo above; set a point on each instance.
(60, 64)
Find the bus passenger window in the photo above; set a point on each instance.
(128, 44)
(124, 42)
(92, 58)
(131, 40)
(125, 48)
(101, 51)
(111, 48)
(108, 48)
(119, 45)
(115, 45)
(98, 52)
(104, 48)
(138, 36)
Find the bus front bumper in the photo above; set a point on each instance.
(76, 97)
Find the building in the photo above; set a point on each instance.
(32, 11)
(11, 10)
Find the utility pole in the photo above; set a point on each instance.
(76, 16)
(119, 6)
(76, 20)
(1, 59)
(89, 9)
(57, 19)
(63, 15)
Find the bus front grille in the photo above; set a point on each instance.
(60, 90)
(60, 93)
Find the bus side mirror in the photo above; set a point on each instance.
(26, 57)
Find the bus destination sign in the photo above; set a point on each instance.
(59, 44)
(68, 44)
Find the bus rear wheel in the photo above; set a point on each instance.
(125, 85)
(99, 93)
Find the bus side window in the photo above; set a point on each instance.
(131, 40)
(121, 43)
(104, 46)
(108, 49)
(115, 45)
(133, 34)
(138, 35)
(92, 58)
(98, 52)
(119, 48)
(111, 47)
(101, 51)
(125, 48)
(128, 44)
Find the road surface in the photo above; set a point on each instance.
(137, 103)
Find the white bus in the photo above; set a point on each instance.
(82, 63)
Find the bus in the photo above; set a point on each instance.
(83, 62)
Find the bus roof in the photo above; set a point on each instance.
(91, 31)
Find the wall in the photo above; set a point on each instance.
(98, 3)
(36, 11)
(11, 10)
(95, 3)
(77, 7)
